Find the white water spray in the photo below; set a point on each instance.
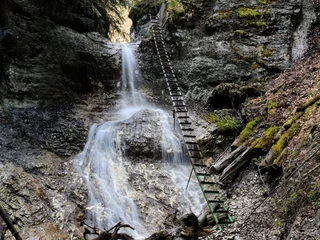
(103, 164)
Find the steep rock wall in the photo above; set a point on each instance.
(58, 73)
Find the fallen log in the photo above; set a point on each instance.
(237, 163)
(226, 160)
(9, 224)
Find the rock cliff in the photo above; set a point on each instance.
(259, 59)
(58, 71)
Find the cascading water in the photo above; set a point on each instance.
(104, 165)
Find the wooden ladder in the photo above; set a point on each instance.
(208, 186)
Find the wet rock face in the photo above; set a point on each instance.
(241, 42)
(140, 137)
(48, 52)
(39, 190)
(53, 55)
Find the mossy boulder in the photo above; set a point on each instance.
(225, 124)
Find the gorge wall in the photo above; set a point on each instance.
(58, 72)
(247, 61)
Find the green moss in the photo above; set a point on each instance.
(264, 52)
(308, 103)
(263, 2)
(284, 139)
(248, 131)
(255, 66)
(288, 123)
(252, 12)
(226, 123)
(261, 23)
(247, 13)
(272, 106)
(278, 161)
(267, 138)
(175, 7)
(213, 118)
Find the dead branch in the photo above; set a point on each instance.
(107, 235)
(9, 224)
(306, 174)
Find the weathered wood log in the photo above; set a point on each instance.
(9, 224)
(237, 163)
(226, 160)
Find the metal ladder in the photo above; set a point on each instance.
(208, 187)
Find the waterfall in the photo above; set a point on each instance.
(104, 166)
(300, 36)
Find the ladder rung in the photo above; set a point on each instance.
(199, 165)
(196, 157)
(220, 211)
(215, 201)
(187, 123)
(183, 108)
(206, 182)
(210, 192)
(188, 129)
(203, 174)
(179, 110)
(184, 117)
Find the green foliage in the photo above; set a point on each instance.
(113, 10)
(175, 7)
(175, 10)
(142, 8)
(226, 123)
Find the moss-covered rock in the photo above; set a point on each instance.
(227, 95)
(225, 124)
